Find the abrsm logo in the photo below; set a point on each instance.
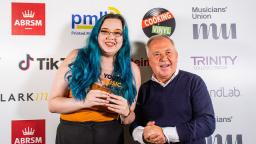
(28, 131)
(28, 19)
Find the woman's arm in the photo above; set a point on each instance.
(131, 117)
(58, 101)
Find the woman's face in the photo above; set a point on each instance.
(110, 38)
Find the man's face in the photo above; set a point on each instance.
(163, 58)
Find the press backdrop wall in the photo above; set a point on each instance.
(215, 39)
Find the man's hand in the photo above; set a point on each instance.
(153, 134)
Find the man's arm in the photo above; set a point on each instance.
(203, 120)
(137, 134)
(154, 134)
(170, 134)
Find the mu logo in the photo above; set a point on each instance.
(219, 139)
(216, 32)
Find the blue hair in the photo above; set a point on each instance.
(85, 70)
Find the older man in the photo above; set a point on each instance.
(174, 106)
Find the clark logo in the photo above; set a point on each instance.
(28, 19)
(158, 21)
(28, 132)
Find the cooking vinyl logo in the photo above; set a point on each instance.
(28, 19)
(158, 21)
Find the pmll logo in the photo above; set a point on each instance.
(28, 19)
(83, 24)
(28, 132)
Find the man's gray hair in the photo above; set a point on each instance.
(158, 37)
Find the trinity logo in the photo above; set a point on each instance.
(28, 19)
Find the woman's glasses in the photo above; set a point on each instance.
(116, 33)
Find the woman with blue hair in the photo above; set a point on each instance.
(95, 88)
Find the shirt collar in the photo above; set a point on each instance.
(153, 78)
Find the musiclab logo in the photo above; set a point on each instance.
(28, 131)
(24, 97)
(158, 21)
(43, 63)
(28, 19)
(213, 62)
(225, 139)
(223, 92)
(82, 24)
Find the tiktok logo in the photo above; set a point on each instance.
(25, 64)
(41, 63)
